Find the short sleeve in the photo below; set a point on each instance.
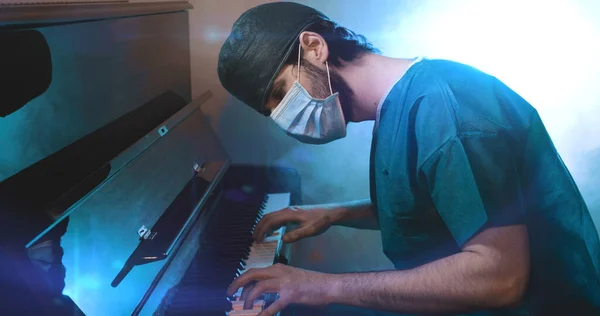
(474, 182)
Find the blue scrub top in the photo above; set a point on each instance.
(456, 151)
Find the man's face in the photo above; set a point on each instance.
(314, 80)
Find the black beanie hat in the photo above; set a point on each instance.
(260, 42)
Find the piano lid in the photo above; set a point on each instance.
(102, 71)
(212, 158)
(115, 223)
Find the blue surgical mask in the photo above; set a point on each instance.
(308, 119)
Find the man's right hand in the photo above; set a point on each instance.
(312, 221)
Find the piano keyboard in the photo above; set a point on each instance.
(227, 250)
(261, 256)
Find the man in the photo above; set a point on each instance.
(476, 209)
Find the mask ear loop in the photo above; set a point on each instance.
(328, 77)
(326, 66)
(298, 75)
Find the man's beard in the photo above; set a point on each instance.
(320, 87)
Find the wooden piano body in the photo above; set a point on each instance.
(115, 156)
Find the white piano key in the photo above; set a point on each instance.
(261, 255)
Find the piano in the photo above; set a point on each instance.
(114, 161)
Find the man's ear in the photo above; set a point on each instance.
(314, 47)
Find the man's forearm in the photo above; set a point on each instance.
(355, 214)
(456, 284)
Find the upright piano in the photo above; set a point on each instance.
(105, 153)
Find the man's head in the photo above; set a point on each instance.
(258, 62)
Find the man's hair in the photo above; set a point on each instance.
(343, 44)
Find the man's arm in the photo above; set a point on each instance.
(356, 214)
(316, 219)
(474, 184)
(492, 271)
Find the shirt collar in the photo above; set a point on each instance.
(418, 59)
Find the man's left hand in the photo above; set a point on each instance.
(294, 286)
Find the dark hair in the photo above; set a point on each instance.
(344, 45)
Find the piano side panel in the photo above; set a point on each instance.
(102, 231)
(101, 70)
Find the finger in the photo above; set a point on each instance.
(273, 221)
(246, 289)
(256, 274)
(262, 226)
(262, 287)
(275, 308)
